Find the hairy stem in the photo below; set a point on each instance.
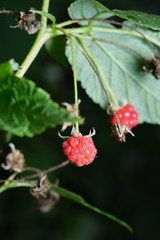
(75, 83)
(74, 75)
(45, 8)
(41, 38)
(95, 66)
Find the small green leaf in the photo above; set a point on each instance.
(47, 15)
(140, 18)
(25, 109)
(78, 199)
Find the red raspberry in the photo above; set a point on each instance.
(126, 116)
(79, 150)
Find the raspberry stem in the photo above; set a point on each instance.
(75, 83)
(74, 75)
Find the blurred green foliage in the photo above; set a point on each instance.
(123, 180)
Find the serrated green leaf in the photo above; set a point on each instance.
(25, 109)
(140, 18)
(45, 14)
(81, 9)
(78, 199)
(120, 69)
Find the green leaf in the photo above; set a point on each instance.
(11, 183)
(81, 9)
(78, 199)
(120, 69)
(140, 18)
(25, 109)
(14, 184)
(45, 14)
(7, 68)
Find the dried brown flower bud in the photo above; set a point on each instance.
(27, 21)
(45, 199)
(73, 109)
(153, 66)
(45, 204)
(14, 160)
(42, 187)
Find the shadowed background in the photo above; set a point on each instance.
(124, 178)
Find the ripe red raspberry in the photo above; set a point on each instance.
(79, 150)
(126, 116)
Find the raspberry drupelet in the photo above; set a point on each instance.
(79, 149)
(126, 116)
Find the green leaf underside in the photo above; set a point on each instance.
(69, 195)
(120, 69)
(82, 9)
(47, 15)
(140, 18)
(25, 109)
(89, 9)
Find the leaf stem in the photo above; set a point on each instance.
(41, 38)
(120, 24)
(74, 75)
(102, 75)
(111, 42)
(75, 84)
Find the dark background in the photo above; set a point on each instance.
(123, 180)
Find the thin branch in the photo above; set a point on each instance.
(63, 164)
(8, 12)
(32, 169)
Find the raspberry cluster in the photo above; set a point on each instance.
(80, 150)
(126, 116)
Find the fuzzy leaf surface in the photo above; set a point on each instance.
(120, 68)
(82, 9)
(25, 109)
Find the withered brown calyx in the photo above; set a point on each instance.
(27, 21)
(153, 66)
